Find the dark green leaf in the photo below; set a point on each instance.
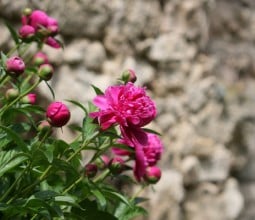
(79, 105)
(13, 33)
(9, 160)
(151, 131)
(97, 90)
(15, 137)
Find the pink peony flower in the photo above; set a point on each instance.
(15, 66)
(126, 105)
(57, 114)
(38, 19)
(145, 155)
(52, 26)
(153, 150)
(26, 31)
(152, 175)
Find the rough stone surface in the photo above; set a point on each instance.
(197, 60)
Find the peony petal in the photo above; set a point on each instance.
(101, 102)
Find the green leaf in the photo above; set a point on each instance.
(151, 131)
(3, 59)
(97, 90)
(100, 197)
(51, 90)
(89, 129)
(15, 137)
(66, 200)
(48, 152)
(9, 160)
(79, 105)
(124, 212)
(112, 194)
(13, 33)
(46, 194)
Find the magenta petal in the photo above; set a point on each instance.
(140, 167)
(101, 102)
(107, 120)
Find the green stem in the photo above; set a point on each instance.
(102, 176)
(19, 97)
(73, 185)
(13, 184)
(4, 79)
(13, 50)
(138, 192)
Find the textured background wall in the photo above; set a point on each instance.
(196, 58)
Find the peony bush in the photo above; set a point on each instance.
(43, 177)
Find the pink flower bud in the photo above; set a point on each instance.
(52, 26)
(11, 94)
(15, 66)
(29, 99)
(26, 31)
(27, 11)
(128, 76)
(152, 175)
(116, 165)
(45, 72)
(38, 19)
(40, 58)
(102, 162)
(44, 126)
(58, 114)
(52, 42)
(91, 170)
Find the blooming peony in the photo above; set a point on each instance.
(126, 105)
(145, 155)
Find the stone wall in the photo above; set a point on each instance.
(196, 58)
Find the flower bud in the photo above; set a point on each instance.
(102, 162)
(40, 58)
(26, 31)
(29, 99)
(11, 94)
(15, 66)
(52, 42)
(116, 165)
(90, 170)
(128, 76)
(38, 19)
(52, 26)
(57, 114)
(152, 175)
(27, 11)
(45, 72)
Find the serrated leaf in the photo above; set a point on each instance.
(97, 90)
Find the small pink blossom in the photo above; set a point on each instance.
(38, 19)
(57, 114)
(26, 31)
(145, 155)
(15, 66)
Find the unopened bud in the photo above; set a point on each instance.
(90, 170)
(27, 11)
(152, 175)
(29, 99)
(11, 94)
(45, 72)
(15, 66)
(128, 76)
(102, 161)
(116, 165)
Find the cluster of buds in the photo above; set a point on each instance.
(38, 25)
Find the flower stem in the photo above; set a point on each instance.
(73, 185)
